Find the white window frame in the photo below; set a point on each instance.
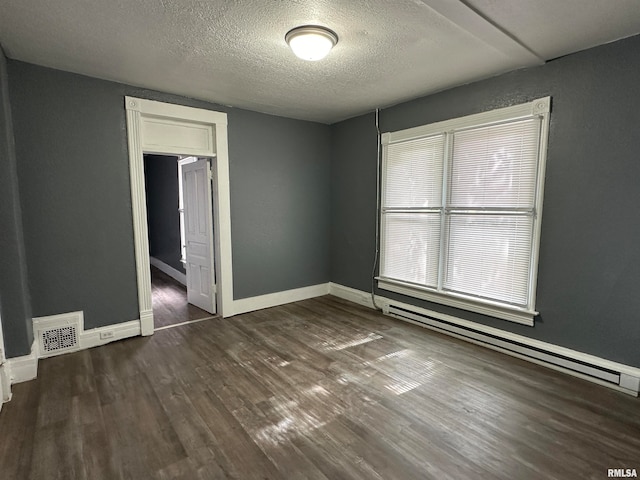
(183, 239)
(537, 108)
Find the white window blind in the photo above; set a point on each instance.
(495, 166)
(461, 205)
(411, 210)
(489, 256)
(414, 173)
(412, 247)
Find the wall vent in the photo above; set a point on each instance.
(58, 334)
(59, 338)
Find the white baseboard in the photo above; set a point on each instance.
(146, 322)
(17, 370)
(629, 376)
(86, 338)
(279, 298)
(351, 294)
(169, 270)
(25, 368)
(103, 335)
(5, 384)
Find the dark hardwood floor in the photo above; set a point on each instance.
(319, 389)
(169, 298)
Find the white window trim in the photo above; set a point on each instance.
(536, 108)
(452, 299)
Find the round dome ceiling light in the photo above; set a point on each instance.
(311, 42)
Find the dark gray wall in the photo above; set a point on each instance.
(73, 170)
(15, 309)
(353, 200)
(163, 218)
(280, 203)
(589, 279)
(74, 187)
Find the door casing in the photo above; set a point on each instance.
(163, 128)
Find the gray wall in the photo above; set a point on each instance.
(73, 172)
(74, 189)
(15, 309)
(163, 218)
(280, 203)
(353, 201)
(589, 275)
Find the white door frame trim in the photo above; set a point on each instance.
(139, 110)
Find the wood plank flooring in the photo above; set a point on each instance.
(319, 389)
(169, 298)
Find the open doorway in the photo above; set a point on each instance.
(169, 129)
(179, 219)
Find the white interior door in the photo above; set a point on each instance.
(196, 184)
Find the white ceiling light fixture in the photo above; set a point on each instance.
(311, 42)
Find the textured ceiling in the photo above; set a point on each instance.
(234, 53)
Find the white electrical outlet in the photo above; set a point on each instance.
(106, 335)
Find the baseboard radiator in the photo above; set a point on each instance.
(583, 369)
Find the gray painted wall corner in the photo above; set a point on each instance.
(353, 201)
(15, 308)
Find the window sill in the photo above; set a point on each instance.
(512, 314)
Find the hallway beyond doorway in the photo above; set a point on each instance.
(169, 299)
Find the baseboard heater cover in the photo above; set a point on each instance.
(597, 373)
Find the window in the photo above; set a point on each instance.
(182, 161)
(461, 210)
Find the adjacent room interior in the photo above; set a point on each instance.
(409, 252)
(167, 241)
